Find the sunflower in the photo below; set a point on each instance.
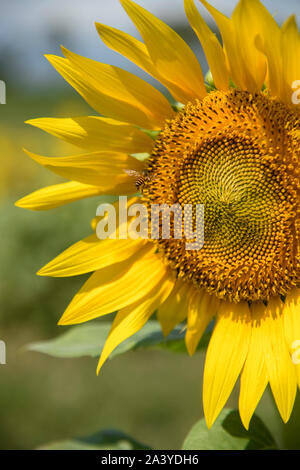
(231, 144)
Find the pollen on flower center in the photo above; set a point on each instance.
(237, 154)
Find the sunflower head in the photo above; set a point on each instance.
(233, 147)
(235, 153)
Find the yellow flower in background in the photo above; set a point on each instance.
(234, 149)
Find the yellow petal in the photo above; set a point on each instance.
(114, 92)
(281, 370)
(57, 195)
(245, 23)
(290, 50)
(174, 309)
(202, 308)
(254, 377)
(104, 169)
(131, 319)
(115, 287)
(122, 224)
(125, 87)
(90, 254)
(261, 23)
(127, 46)
(95, 133)
(212, 48)
(171, 56)
(246, 62)
(291, 321)
(229, 40)
(226, 354)
(137, 52)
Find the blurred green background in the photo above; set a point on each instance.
(155, 397)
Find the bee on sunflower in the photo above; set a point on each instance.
(233, 147)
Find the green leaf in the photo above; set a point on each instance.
(141, 156)
(107, 439)
(209, 82)
(177, 106)
(151, 133)
(88, 340)
(83, 340)
(228, 433)
(258, 434)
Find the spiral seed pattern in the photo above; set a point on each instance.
(238, 154)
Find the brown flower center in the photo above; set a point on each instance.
(238, 155)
